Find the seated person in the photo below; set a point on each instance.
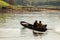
(35, 24)
(39, 25)
(42, 27)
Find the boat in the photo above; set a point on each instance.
(30, 26)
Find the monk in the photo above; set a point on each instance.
(39, 25)
(35, 24)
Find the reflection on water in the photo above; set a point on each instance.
(10, 28)
(2, 18)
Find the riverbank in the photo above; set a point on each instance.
(28, 9)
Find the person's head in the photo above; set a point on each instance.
(36, 21)
(39, 21)
(45, 25)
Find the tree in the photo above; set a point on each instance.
(10, 1)
(29, 2)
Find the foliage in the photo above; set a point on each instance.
(3, 4)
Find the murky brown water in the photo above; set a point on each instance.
(10, 28)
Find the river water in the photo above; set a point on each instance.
(10, 28)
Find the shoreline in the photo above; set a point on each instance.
(28, 10)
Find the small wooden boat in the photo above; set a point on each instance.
(30, 26)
